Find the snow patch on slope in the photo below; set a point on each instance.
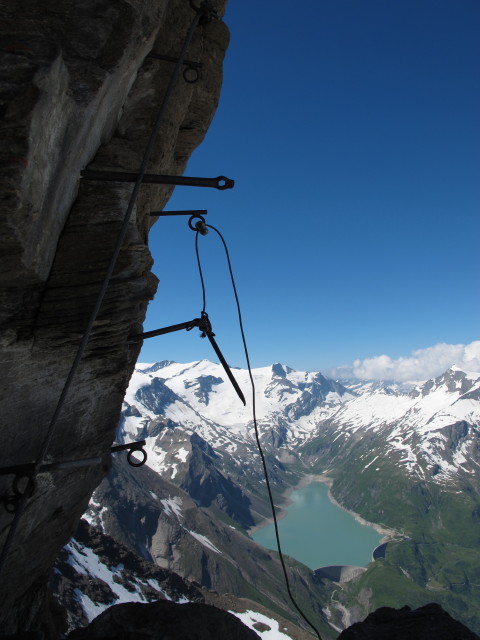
(204, 540)
(173, 506)
(86, 563)
(250, 618)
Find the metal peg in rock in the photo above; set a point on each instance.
(191, 73)
(132, 447)
(220, 182)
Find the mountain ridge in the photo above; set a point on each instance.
(404, 458)
(291, 406)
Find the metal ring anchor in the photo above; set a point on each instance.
(131, 447)
(191, 74)
(29, 488)
(12, 500)
(200, 226)
(133, 462)
(10, 503)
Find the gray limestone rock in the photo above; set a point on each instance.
(77, 88)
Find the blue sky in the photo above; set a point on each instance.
(351, 128)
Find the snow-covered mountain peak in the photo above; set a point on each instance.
(280, 370)
(470, 374)
(453, 381)
(152, 368)
(196, 399)
(388, 387)
(278, 388)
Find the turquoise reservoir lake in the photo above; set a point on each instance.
(318, 533)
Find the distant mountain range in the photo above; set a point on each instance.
(402, 456)
(430, 431)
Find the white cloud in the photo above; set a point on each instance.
(421, 365)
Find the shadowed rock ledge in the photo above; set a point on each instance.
(77, 89)
(430, 622)
(161, 620)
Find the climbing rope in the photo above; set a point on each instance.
(254, 411)
(203, 11)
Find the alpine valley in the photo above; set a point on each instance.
(403, 457)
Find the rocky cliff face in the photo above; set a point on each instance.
(161, 523)
(78, 88)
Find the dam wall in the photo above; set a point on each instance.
(339, 573)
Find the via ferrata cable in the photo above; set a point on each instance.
(254, 414)
(200, 271)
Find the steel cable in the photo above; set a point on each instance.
(255, 424)
(93, 316)
(204, 295)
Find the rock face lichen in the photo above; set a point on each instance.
(77, 88)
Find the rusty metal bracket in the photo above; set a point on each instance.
(221, 182)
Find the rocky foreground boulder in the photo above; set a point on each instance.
(430, 622)
(164, 621)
